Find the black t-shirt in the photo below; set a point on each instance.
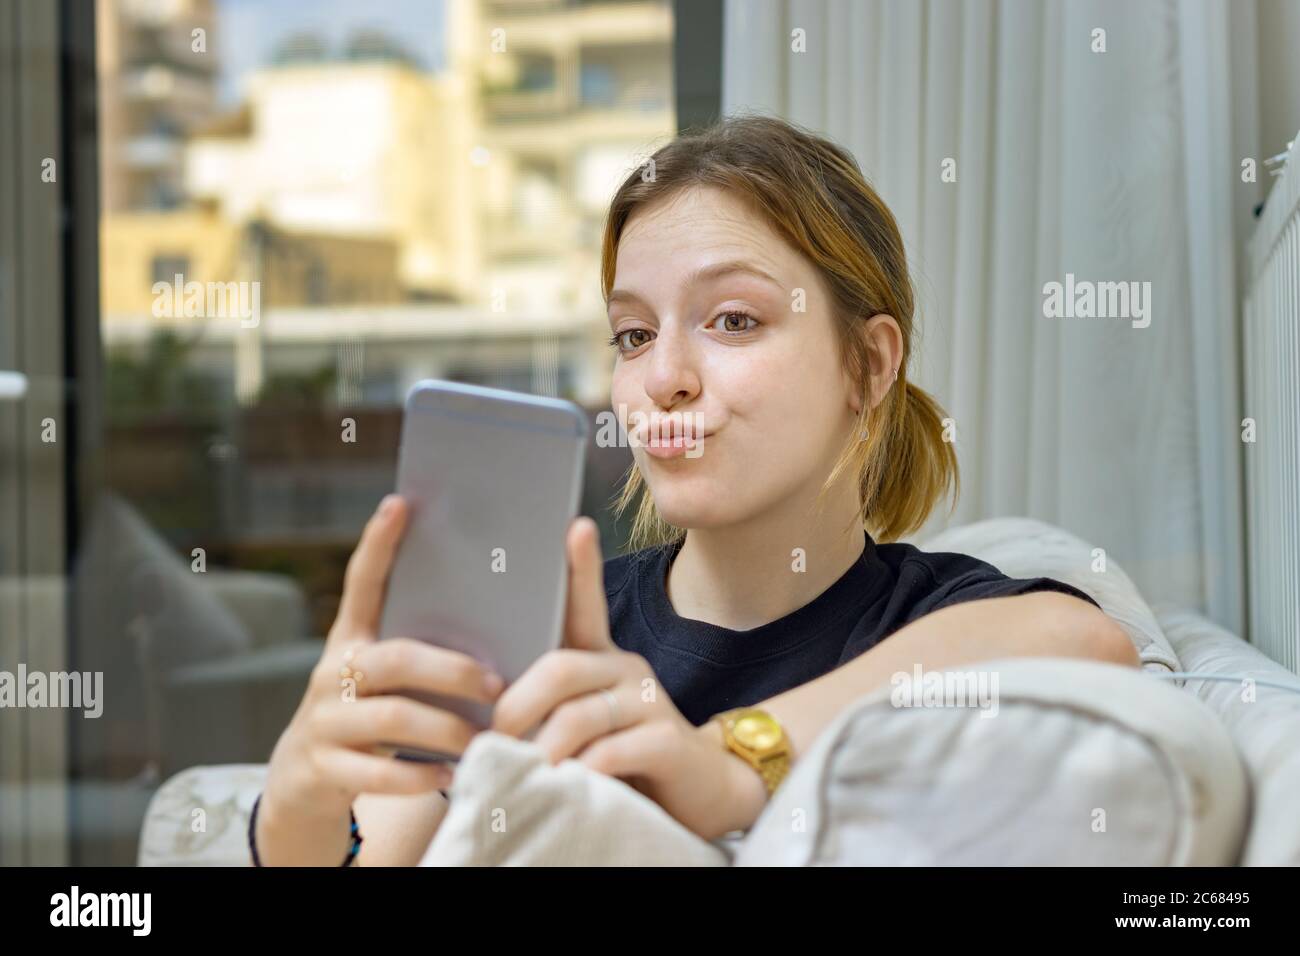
(706, 668)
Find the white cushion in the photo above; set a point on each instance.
(1264, 725)
(1084, 763)
(1027, 548)
(176, 834)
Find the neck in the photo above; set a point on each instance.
(744, 576)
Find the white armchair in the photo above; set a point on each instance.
(1086, 763)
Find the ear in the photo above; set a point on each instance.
(885, 356)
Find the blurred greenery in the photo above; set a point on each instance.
(315, 388)
(159, 379)
(176, 429)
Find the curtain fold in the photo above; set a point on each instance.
(1115, 166)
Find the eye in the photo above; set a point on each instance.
(631, 340)
(734, 322)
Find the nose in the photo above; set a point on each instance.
(671, 378)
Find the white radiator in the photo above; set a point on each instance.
(1272, 398)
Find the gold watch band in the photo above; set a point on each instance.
(774, 770)
(772, 767)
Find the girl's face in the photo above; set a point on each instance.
(724, 331)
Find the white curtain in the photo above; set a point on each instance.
(1121, 165)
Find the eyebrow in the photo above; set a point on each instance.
(707, 273)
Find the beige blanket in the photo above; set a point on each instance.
(510, 807)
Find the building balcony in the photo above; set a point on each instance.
(556, 137)
(544, 26)
(152, 151)
(541, 104)
(163, 83)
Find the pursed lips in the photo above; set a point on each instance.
(670, 431)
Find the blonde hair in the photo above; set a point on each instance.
(812, 193)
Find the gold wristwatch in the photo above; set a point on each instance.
(757, 738)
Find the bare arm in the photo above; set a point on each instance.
(1040, 624)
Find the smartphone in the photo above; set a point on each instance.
(493, 480)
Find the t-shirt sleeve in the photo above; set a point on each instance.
(958, 578)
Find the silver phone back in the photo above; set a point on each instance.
(493, 479)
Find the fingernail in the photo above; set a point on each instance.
(386, 506)
(493, 683)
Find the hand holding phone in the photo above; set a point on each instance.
(493, 479)
(333, 749)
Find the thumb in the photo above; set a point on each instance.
(586, 619)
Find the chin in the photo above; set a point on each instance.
(697, 501)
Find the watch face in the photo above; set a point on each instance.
(757, 731)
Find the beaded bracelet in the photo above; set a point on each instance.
(348, 860)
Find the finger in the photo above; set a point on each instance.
(371, 721)
(637, 751)
(367, 572)
(369, 774)
(406, 664)
(586, 622)
(577, 723)
(553, 678)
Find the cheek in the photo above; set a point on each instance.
(789, 395)
(623, 391)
